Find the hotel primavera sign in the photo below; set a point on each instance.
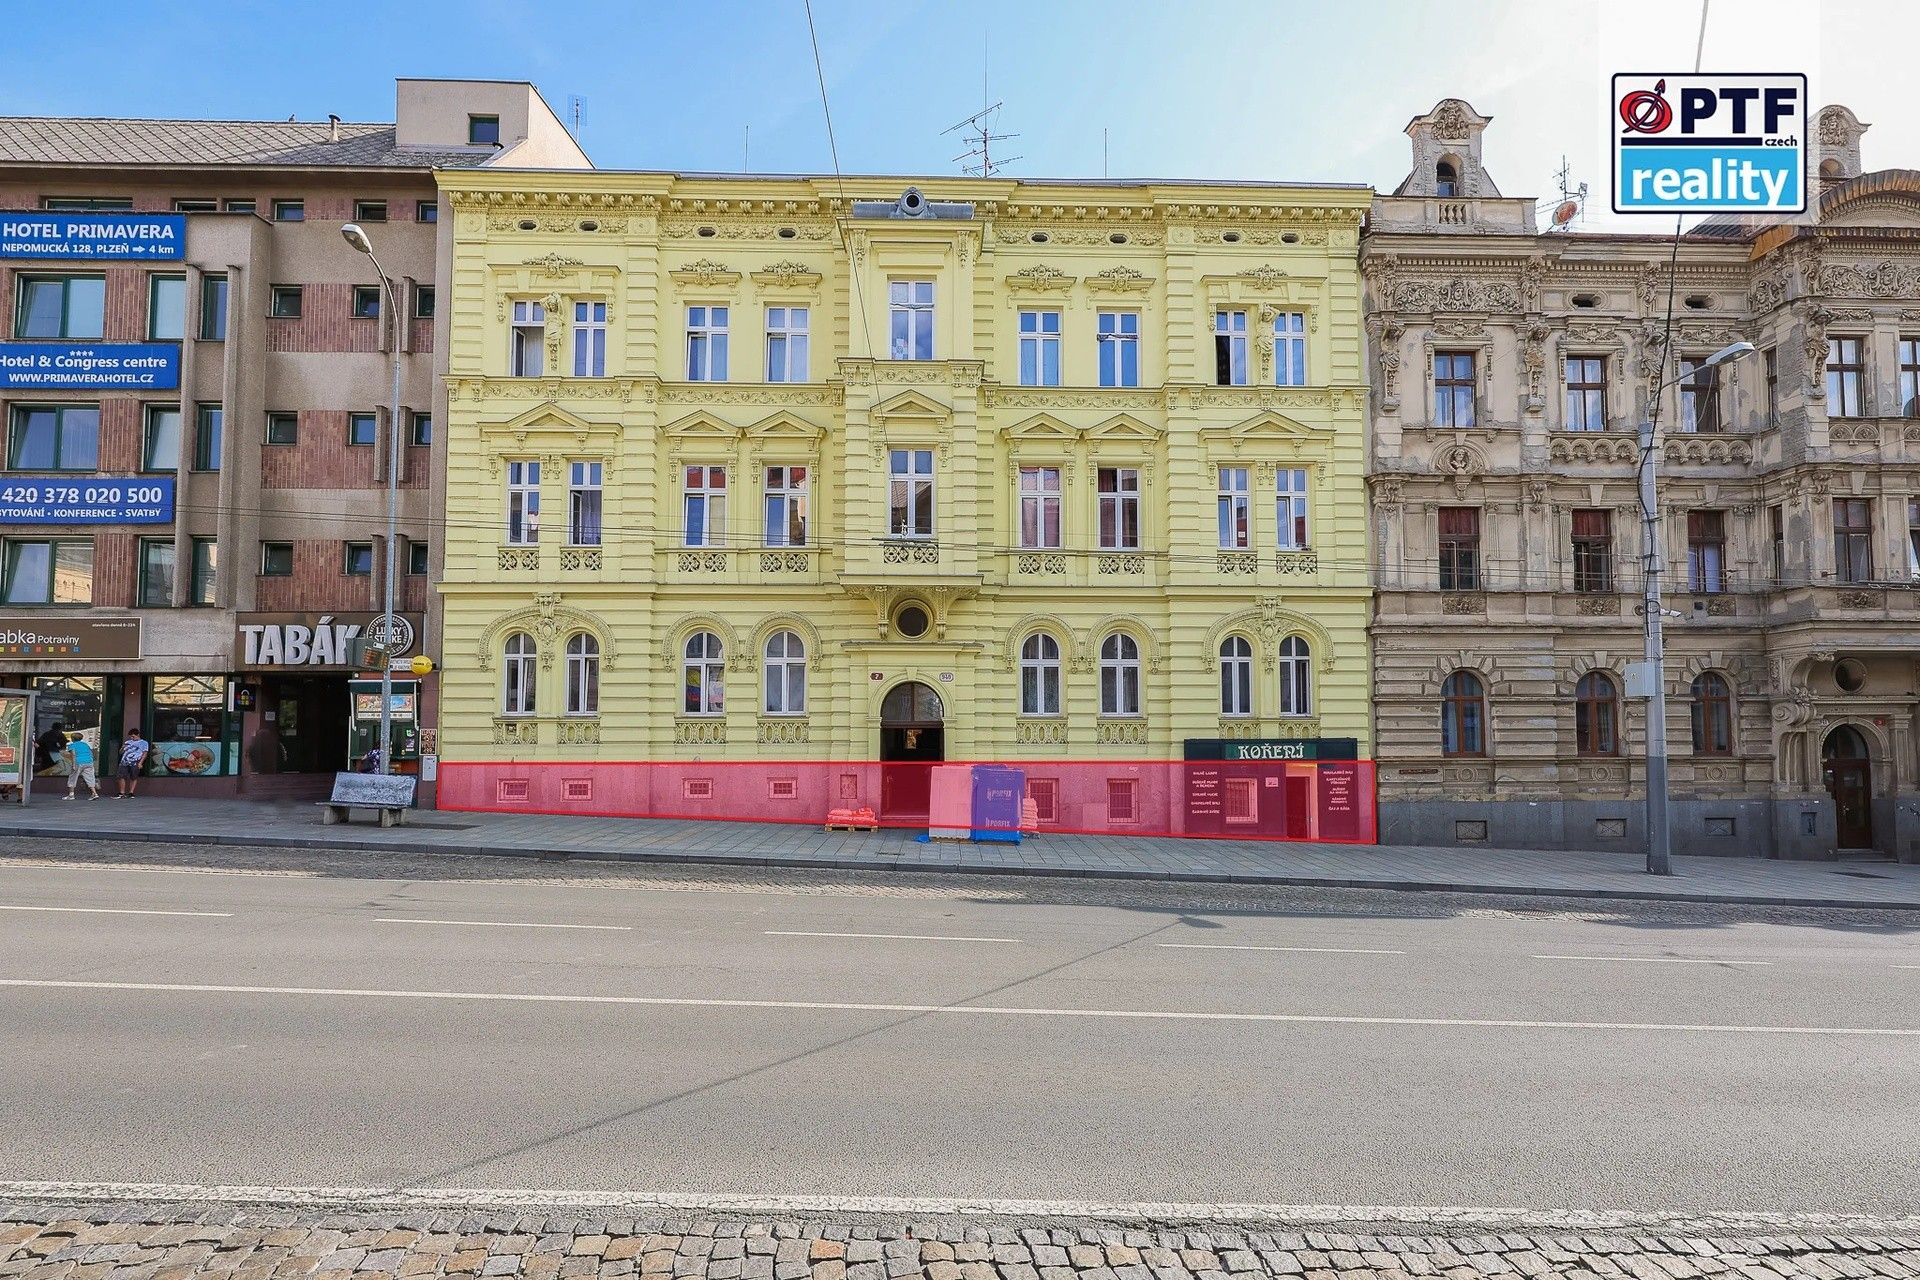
(93, 237)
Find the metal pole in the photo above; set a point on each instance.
(1659, 839)
(393, 529)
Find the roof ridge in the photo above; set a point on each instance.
(323, 124)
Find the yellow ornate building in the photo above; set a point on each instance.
(789, 469)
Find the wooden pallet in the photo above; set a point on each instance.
(852, 826)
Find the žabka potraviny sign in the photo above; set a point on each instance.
(88, 237)
(94, 500)
(89, 366)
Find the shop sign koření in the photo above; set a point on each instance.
(316, 642)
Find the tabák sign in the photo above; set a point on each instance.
(316, 642)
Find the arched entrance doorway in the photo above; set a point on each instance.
(1849, 777)
(912, 740)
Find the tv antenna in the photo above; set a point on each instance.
(1571, 203)
(576, 113)
(978, 160)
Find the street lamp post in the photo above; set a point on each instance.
(357, 237)
(1659, 830)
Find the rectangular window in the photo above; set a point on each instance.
(1454, 388)
(1770, 370)
(206, 564)
(156, 573)
(283, 427)
(1706, 551)
(706, 344)
(910, 493)
(1230, 348)
(1913, 538)
(1119, 497)
(363, 429)
(1853, 539)
(240, 206)
(289, 211)
(1241, 801)
(1119, 337)
(1039, 348)
(1909, 349)
(1699, 396)
(276, 559)
(910, 319)
(1235, 508)
(589, 339)
(418, 555)
(1586, 393)
(161, 451)
(88, 204)
(704, 503)
(1777, 536)
(424, 302)
(61, 307)
(166, 308)
(369, 210)
(1045, 794)
(183, 205)
(1846, 371)
(483, 131)
(47, 573)
(420, 435)
(1120, 800)
(213, 308)
(1593, 550)
(1459, 529)
(283, 302)
(787, 344)
(358, 562)
(526, 355)
(583, 503)
(786, 508)
(1290, 508)
(1040, 507)
(426, 211)
(1290, 349)
(54, 438)
(523, 503)
(366, 302)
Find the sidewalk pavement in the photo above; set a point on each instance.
(1574, 874)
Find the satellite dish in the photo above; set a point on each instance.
(1566, 212)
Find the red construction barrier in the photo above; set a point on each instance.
(1326, 800)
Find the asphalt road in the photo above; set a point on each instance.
(807, 1034)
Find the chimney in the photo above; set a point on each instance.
(333, 127)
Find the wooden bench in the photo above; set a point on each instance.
(391, 794)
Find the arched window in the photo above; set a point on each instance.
(1296, 677)
(1446, 180)
(786, 679)
(1463, 715)
(1712, 715)
(1236, 677)
(583, 675)
(704, 670)
(1119, 675)
(1040, 675)
(1596, 715)
(517, 691)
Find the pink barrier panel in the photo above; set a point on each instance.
(1328, 800)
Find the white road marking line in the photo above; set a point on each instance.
(1245, 946)
(1427, 1219)
(894, 937)
(1907, 966)
(118, 911)
(1661, 960)
(502, 924)
(972, 1010)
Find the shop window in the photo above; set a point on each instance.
(188, 723)
(71, 706)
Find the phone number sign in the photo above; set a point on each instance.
(95, 500)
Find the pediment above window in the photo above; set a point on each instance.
(549, 424)
(1042, 428)
(911, 406)
(702, 426)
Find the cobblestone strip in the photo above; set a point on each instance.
(173, 1242)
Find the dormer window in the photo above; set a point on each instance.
(1446, 180)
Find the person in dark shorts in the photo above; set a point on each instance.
(133, 758)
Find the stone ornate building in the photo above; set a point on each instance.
(1511, 367)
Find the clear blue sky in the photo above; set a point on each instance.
(1186, 88)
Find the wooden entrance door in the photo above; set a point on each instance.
(1849, 777)
(913, 738)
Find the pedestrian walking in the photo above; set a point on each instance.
(80, 767)
(133, 758)
(51, 747)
